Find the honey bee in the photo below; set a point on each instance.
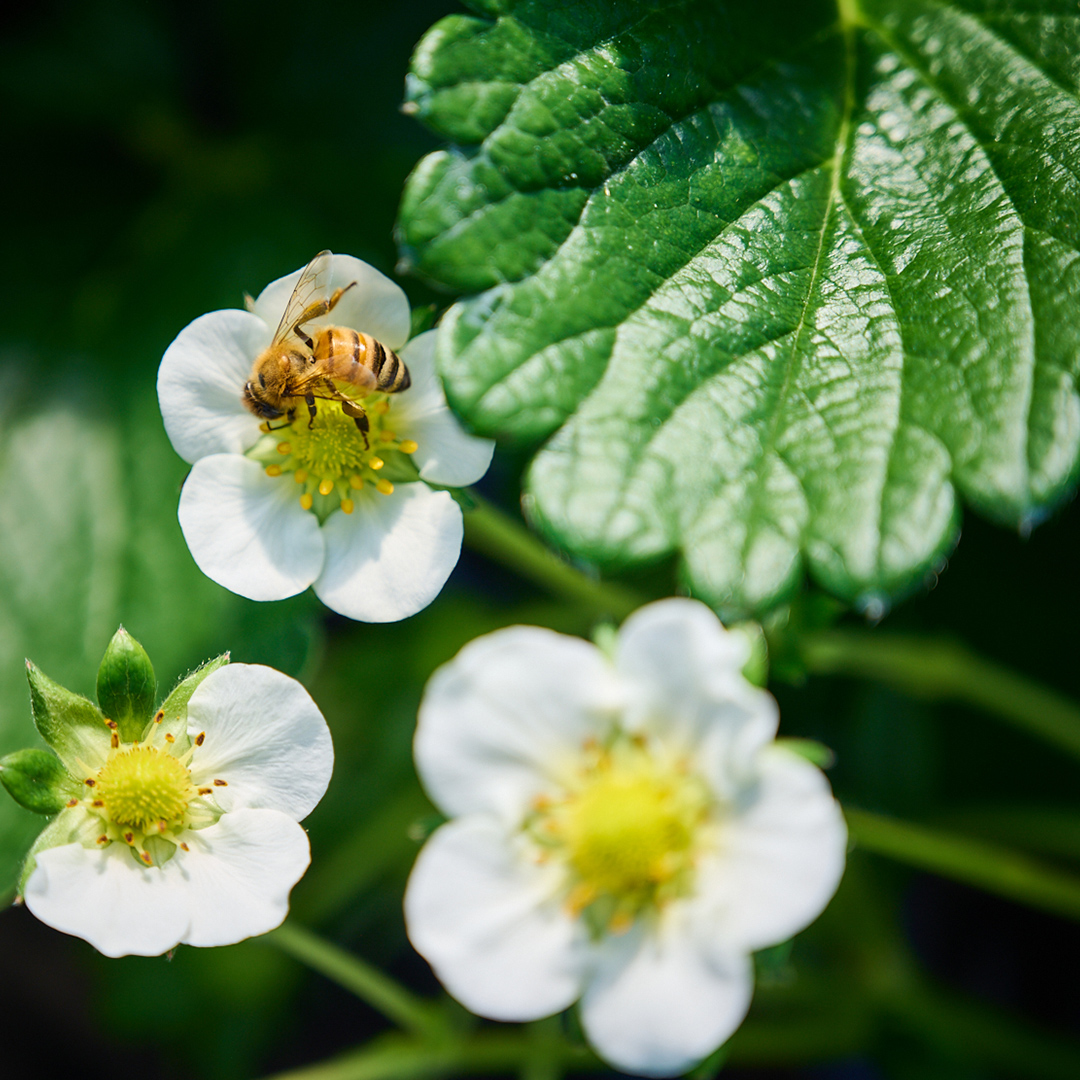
(302, 366)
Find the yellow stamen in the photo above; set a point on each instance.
(326, 485)
(284, 447)
(387, 436)
(376, 462)
(409, 446)
(273, 470)
(356, 482)
(300, 476)
(306, 500)
(347, 506)
(384, 487)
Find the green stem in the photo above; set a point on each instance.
(366, 982)
(974, 862)
(500, 537)
(394, 1057)
(946, 670)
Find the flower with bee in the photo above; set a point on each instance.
(314, 432)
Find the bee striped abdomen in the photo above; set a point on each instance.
(358, 358)
(391, 375)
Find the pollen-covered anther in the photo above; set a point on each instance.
(205, 790)
(103, 839)
(356, 482)
(326, 485)
(129, 837)
(387, 436)
(300, 476)
(384, 487)
(284, 447)
(159, 716)
(200, 738)
(306, 500)
(183, 846)
(376, 463)
(221, 783)
(73, 802)
(170, 738)
(409, 446)
(347, 506)
(273, 470)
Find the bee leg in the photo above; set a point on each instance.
(318, 310)
(312, 411)
(356, 411)
(309, 342)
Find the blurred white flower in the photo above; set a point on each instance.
(268, 514)
(624, 831)
(190, 836)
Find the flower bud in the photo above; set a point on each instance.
(126, 685)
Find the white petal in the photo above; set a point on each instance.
(447, 454)
(106, 898)
(265, 738)
(659, 1002)
(781, 859)
(375, 305)
(201, 380)
(500, 720)
(238, 875)
(391, 556)
(685, 671)
(247, 531)
(483, 916)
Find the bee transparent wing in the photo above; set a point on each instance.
(314, 284)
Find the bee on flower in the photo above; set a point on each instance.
(625, 832)
(314, 431)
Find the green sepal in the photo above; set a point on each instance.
(173, 712)
(37, 780)
(756, 668)
(72, 725)
(126, 685)
(70, 826)
(813, 751)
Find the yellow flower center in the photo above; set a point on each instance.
(144, 797)
(142, 785)
(626, 832)
(330, 460)
(628, 827)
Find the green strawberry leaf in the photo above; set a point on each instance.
(772, 284)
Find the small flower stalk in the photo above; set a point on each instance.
(172, 825)
(329, 486)
(625, 832)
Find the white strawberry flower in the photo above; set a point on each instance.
(624, 831)
(190, 836)
(266, 514)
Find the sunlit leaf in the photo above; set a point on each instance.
(772, 283)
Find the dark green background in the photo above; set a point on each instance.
(160, 159)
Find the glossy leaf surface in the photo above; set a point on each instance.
(774, 285)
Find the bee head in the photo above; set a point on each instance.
(257, 405)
